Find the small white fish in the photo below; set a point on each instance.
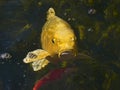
(5, 56)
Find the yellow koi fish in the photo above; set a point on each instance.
(57, 38)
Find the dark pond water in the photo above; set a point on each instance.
(97, 27)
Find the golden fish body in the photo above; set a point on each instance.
(57, 35)
(57, 38)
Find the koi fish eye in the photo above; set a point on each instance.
(53, 41)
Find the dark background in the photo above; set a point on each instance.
(97, 27)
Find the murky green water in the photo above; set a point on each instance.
(97, 27)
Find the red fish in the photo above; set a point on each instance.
(51, 76)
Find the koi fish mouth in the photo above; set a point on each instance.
(67, 53)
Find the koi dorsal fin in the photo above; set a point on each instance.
(50, 13)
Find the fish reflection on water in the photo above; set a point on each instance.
(5, 56)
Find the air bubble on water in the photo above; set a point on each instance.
(24, 75)
(73, 19)
(18, 63)
(69, 19)
(34, 43)
(90, 30)
(91, 11)
(5, 56)
(65, 13)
